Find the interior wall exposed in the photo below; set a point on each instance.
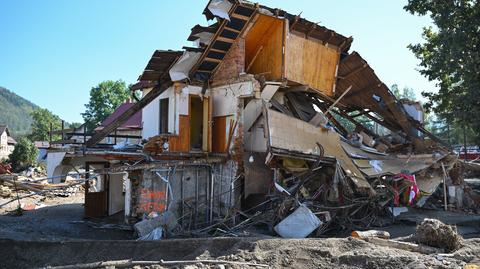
(264, 47)
(310, 62)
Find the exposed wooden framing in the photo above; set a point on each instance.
(213, 60)
(217, 36)
(365, 90)
(312, 28)
(383, 123)
(338, 100)
(254, 58)
(232, 30)
(355, 71)
(352, 120)
(204, 71)
(241, 17)
(361, 113)
(295, 21)
(225, 39)
(217, 50)
(330, 37)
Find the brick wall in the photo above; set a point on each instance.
(232, 65)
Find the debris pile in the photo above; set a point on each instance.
(434, 233)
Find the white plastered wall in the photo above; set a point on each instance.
(177, 105)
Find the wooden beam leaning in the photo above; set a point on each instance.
(154, 93)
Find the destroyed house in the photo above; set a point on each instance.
(265, 103)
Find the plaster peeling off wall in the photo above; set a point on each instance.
(225, 98)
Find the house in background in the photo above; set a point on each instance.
(7, 143)
(124, 133)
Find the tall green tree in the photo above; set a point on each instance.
(43, 119)
(104, 99)
(407, 93)
(24, 154)
(450, 56)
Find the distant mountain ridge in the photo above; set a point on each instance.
(15, 112)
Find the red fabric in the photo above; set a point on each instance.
(412, 191)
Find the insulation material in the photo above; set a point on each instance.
(295, 135)
(182, 67)
(220, 8)
(299, 224)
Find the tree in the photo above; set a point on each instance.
(24, 154)
(450, 56)
(104, 99)
(406, 93)
(43, 120)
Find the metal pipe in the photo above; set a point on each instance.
(212, 188)
(196, 199)
(181, 198)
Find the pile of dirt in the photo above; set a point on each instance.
(243, 252)
(435, 233)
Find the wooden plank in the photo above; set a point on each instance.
(219, 134)
(267, 34)
(181, 143)
(309, 62)
(241, 17)
(225, 39)
(232, 30)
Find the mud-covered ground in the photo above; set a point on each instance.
(58, 234)
(276, 253)
(61, 218)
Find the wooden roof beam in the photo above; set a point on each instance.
(365, 90)
(355, 71)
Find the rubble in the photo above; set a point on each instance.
(246, 133)
(434, 233)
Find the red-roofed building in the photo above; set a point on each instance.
(131, 127)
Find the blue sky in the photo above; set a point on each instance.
(52, 52)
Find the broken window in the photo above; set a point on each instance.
(163, 127)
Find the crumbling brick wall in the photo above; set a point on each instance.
(232, 65)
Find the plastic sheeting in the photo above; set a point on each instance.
(182, 67)
(299, 224)
(156, 234)
(220, 8)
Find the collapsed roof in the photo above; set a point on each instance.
(355, 87)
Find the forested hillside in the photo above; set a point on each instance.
(15, 112)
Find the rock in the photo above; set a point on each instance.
(5, 191)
